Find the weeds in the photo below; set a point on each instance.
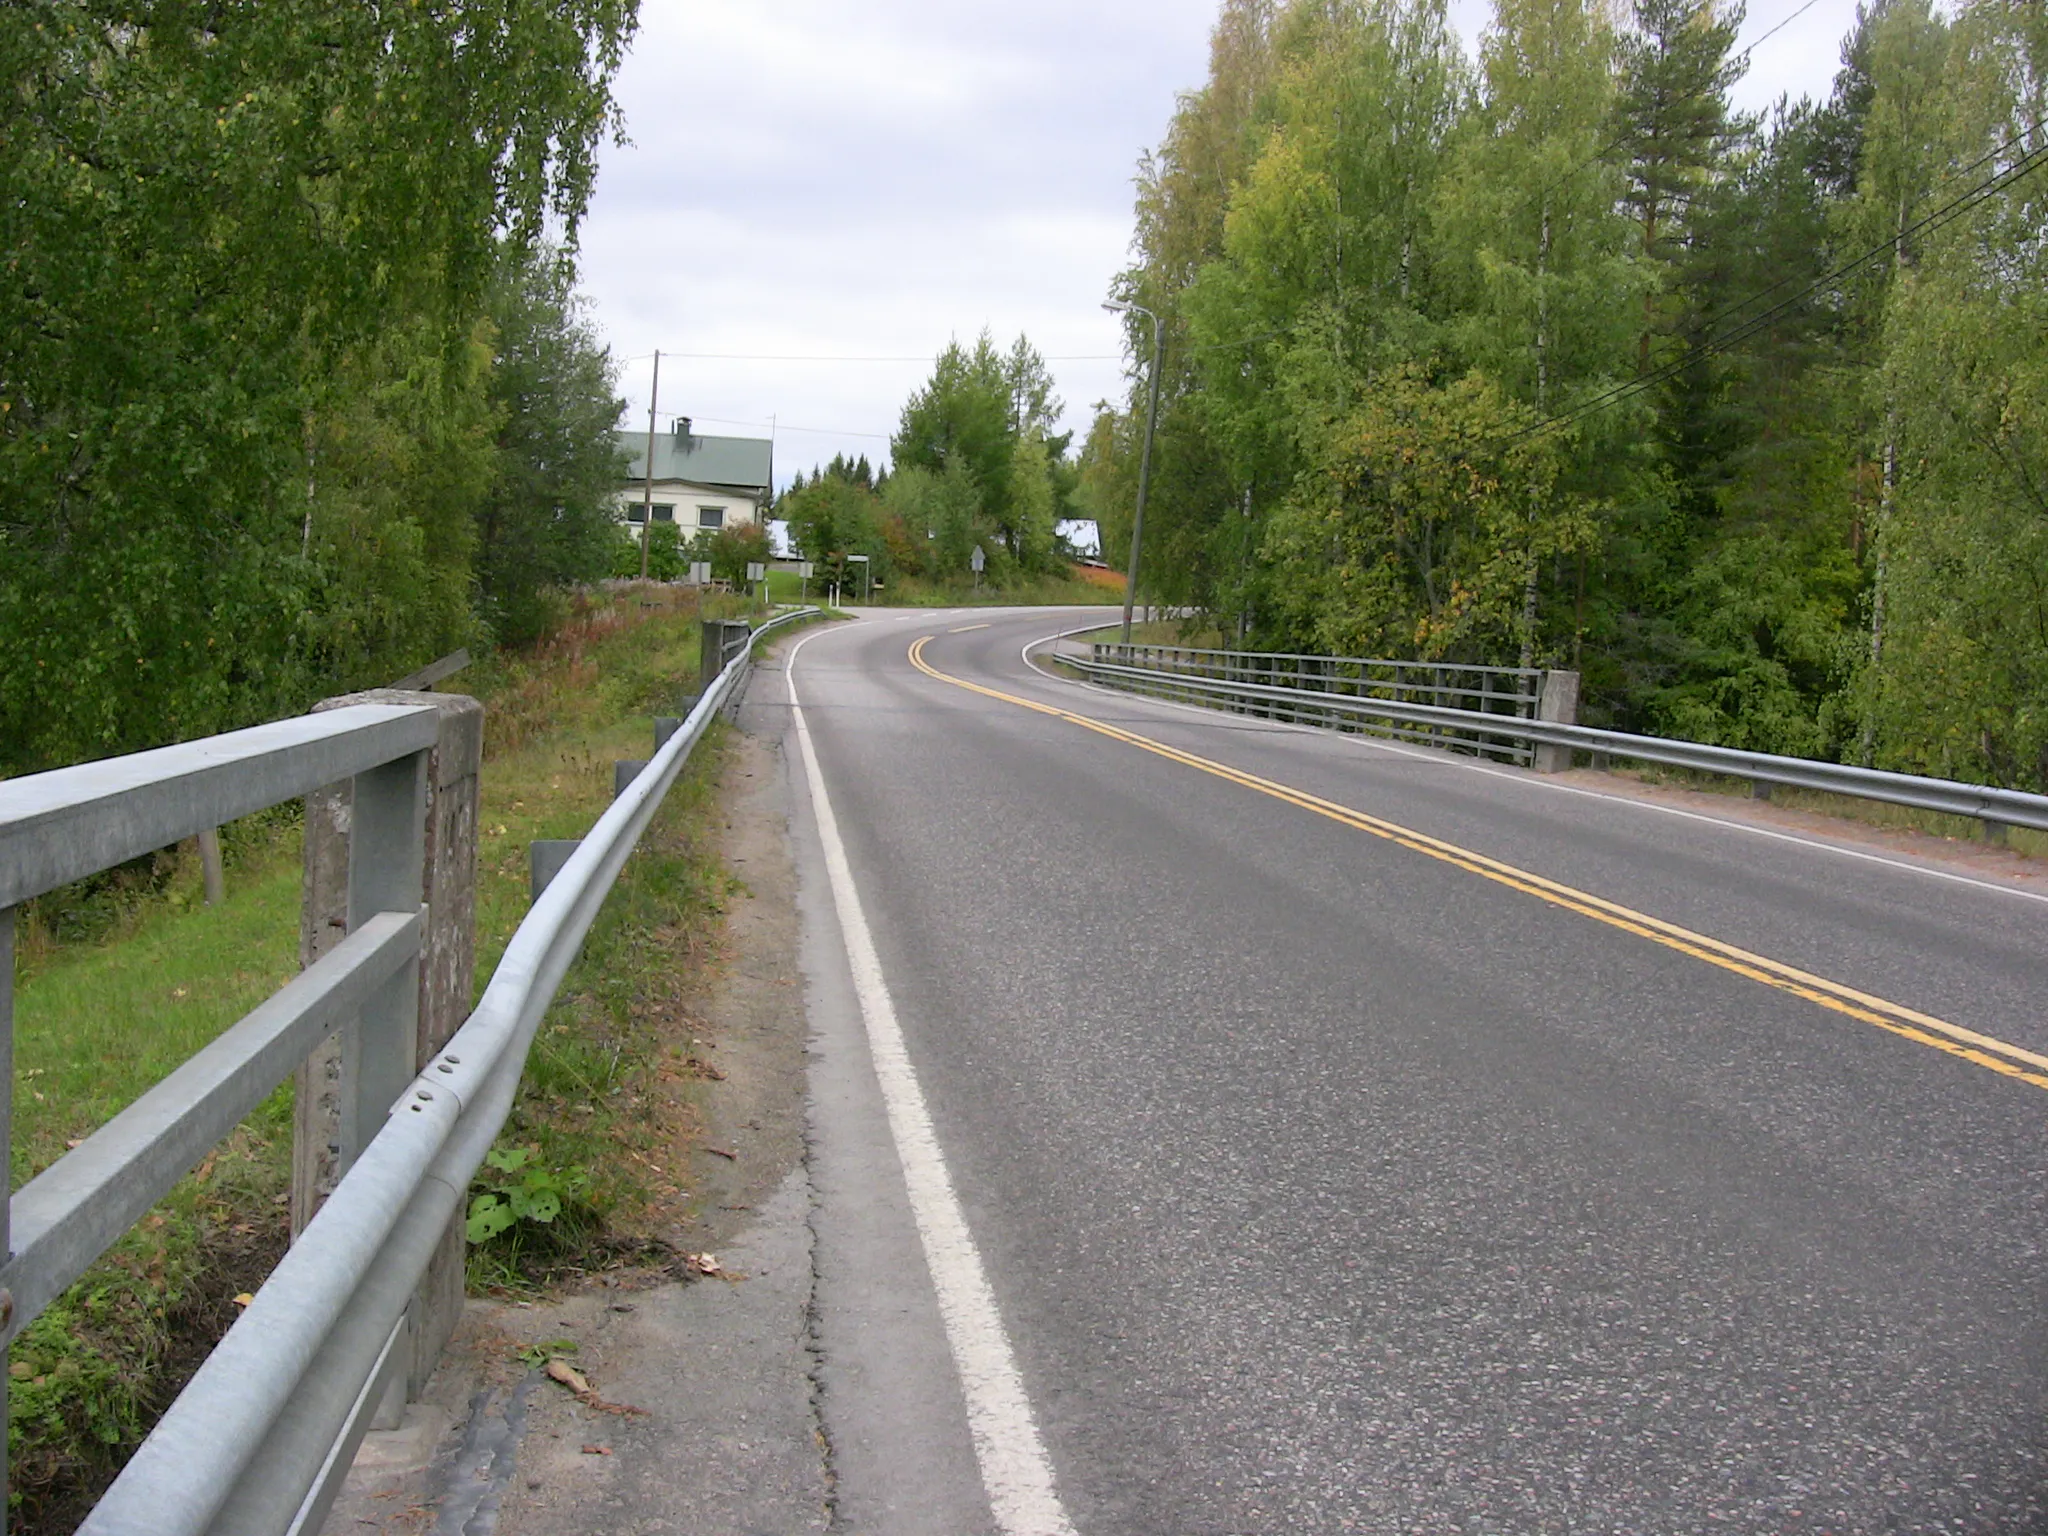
(520, 1188)
(600, 1102)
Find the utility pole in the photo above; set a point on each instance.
(647, 495)
(1144, 459)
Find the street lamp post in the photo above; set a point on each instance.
(1144, 459)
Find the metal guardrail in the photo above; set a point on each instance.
(261, 1436)
(1992, 806)
(1301, 686)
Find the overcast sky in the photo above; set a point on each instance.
(825, 179)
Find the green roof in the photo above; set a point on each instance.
(741, 463)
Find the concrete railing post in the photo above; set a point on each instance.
(1557, 703)
(7, 915)
(394, 838)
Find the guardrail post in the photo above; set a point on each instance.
(544, 860)
(212, 873)
(721, 637)
(1557, 702)
(391, 839)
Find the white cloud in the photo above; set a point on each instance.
(820, 178)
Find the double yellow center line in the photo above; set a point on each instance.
(1995, 1055)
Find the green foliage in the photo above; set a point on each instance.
(1407, 301)
(243, 419)
(538, 1355)
(665, 553)
(519, 1188)
(401, 442)
(547, 521)
(1411, 533)
(980, 429)
(732, 549)
(833, 517)
(1959, 683)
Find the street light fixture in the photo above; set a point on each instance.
(1118, 307)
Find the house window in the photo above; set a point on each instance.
(664, 512)
(711, 517)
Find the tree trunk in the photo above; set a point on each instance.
(1542, 386)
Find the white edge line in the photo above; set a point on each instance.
(1453, 760)
(1015, 1469)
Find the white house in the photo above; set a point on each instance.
(699, 482)
(1082, 535)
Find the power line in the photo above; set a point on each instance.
(1643, 382)
(783, 426)
(776, 357)
(2028, 163)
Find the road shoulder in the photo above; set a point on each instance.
(701, 1416)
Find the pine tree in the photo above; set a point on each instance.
(1676, 127)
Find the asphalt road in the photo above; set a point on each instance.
(1325, 1183)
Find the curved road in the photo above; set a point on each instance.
(1356, 1138)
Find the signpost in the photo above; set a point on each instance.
(803, 576)
(868, 578)
(979, 561)
(757, 577)
(700, 573)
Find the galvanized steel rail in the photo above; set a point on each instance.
(1300, 687)
(259, 1439)
(1107, 664)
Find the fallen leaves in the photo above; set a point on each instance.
(561, 1371)
(702, 1263)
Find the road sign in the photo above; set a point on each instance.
(700, 573)
(803, 569)
(978, 560)
(756, 570)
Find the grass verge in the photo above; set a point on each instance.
(605, 1109)
(117, 985)
(2022, 841)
